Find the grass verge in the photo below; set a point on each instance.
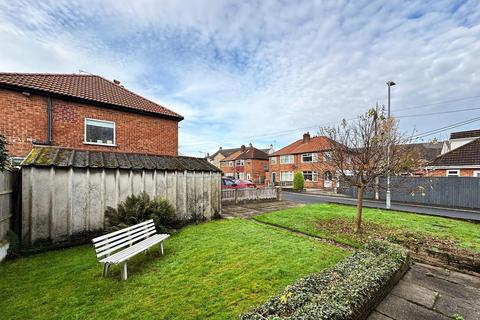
(335, 222)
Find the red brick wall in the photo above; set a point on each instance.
(320, 167)
(24, 120)
(443, 172)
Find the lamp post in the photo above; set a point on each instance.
(388, 197)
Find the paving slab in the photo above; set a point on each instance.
(248, 209)
(428, 292)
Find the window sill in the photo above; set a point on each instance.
(99, 144)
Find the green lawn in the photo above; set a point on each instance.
(213, 270)
(335, 222)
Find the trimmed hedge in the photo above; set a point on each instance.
(349, 290)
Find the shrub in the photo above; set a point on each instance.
(340, 292)
(298, 181)
(3, 153)
(136, 209)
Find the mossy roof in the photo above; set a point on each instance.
(41, 156)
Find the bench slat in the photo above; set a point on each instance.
(121, 231)
(135, 249)
(125, 243)
(145, 229)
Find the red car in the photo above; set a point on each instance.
(230, 183)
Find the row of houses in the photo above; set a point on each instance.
(458, 156)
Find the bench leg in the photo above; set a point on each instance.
(161, 247)
(124, 271)
(105, 269)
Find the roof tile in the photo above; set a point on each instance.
(91, 88)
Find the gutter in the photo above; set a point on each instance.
(49, 124)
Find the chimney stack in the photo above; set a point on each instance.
(220, 148)
(242, 148)
(250, 145)
(117, 82)
(306, 137)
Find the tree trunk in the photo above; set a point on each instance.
(358, 218)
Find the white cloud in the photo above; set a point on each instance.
(241, 71)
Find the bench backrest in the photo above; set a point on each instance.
(118, 240)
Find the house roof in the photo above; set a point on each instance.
(88, 88)
(228, 152)
(248, 153)
(427, 150)
(314, 144)
(468, 154)
(465, 134)
(65, 158)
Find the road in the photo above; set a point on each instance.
(435, 211)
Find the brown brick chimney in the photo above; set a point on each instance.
(306, 137)
(242, 148)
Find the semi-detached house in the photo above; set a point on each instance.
(85, 112)
(309, 155)
(247, 163)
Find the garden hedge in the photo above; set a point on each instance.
(349, 290)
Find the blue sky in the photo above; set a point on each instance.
(261, 71)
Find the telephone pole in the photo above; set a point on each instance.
(388, 197)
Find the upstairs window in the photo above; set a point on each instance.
(239, 163)
(273, 160)
(286, 159)
(230, 163)
(327, 156)
(309, 157)
(99, 132)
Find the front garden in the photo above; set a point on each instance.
(452, 241)
(214, 270)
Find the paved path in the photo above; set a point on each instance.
(246, 210)
(317, 198)
(431, 293)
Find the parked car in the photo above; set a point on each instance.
(231, 183)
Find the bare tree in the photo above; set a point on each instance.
(360, 148)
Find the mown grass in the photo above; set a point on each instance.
(316, 220)
(214, 270)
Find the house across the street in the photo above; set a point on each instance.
(247, 163)
(309, 155)
(221, 154)
(82, 112)
(460, 156)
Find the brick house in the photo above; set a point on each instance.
(221, 154)
(82, 112)
(247, 163)
(309, 155)
(460, 156)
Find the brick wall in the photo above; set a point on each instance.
(24, 120)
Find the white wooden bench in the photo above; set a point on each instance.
(119, 246)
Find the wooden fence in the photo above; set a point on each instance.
(7, 185)
(250, 194)
(454, 192)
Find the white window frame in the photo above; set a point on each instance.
(286, 174)
(450, 173)
(327, 158)
(314, 176)
(311, 155)
(114, 144)
(287, 159)
(273, 160)
(230, 163)
(476, 173)
(249, 176)
(239, 163)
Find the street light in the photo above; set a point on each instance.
(388, 198)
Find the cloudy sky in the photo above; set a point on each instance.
(262, 71)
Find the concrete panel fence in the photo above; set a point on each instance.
(454, 192)
(58, 203)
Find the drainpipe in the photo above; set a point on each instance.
(49, 120)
